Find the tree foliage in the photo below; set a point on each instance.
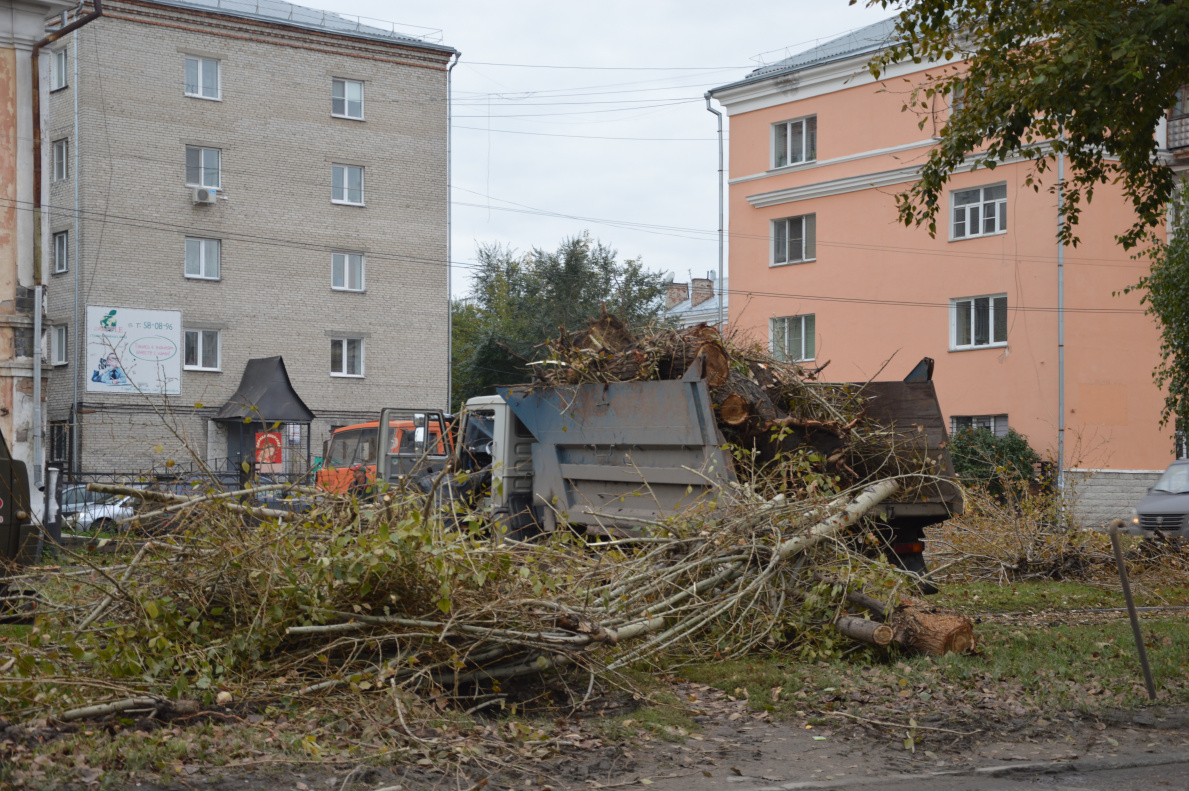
(1087, 78)
(999, 464)
(518, 301)
(1166, 295)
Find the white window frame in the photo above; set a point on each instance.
(783, 228)
(993, 316)
(996, 424)
(199, 60)
(61, 159)
(342, 197)
(58, 74)
(203, 168)
(59, 340)
(61, 252)
(977, 212)
(346, 102)
(203, 247)
(808, 151)
(201, 340)
(344, 260)
(342, 342)
(781, 325)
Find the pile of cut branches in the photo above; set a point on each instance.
(334, 602)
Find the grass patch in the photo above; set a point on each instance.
(990, 597)
(1083, 667)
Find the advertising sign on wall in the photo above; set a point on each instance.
(134, 351)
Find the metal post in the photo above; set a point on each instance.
(449, 242)
(721, 287)
(38, 296)
(76, 352)
(1060, 322)
(1135, 630)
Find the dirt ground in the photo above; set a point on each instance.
(736, 745)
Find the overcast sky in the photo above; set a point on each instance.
(624, 139)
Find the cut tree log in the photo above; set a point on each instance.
(734, 410)
(932, 630)
(865, 631)
(744, 395)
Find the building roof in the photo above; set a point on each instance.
(278, 11)
(864, 41)
(687, 315)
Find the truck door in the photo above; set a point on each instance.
(415, 444)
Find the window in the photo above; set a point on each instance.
(794, 141)
(794, 239)
(979, 212)
(202, 258)
(978, 321)
(61, 163)
(346, 357)
(346, 272)
(996, 424)
(1180, 107)
(58, 345)
(347, 99)
(202, 77)
(347, 185)
(58, 70)
(203, 167)
(58, 448)
(61, 252)
(202, 350)
(792, 337)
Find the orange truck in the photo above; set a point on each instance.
(351, 453)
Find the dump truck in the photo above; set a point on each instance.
(606, 458)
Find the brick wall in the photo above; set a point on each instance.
(277, 226)
(1102, 495)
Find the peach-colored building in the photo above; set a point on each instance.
(821, 269)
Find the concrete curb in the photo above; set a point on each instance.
(1006, 770)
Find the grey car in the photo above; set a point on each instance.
(1165, 508)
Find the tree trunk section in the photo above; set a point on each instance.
(932, 630)
(865, 631)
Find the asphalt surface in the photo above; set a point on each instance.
(1149, 773)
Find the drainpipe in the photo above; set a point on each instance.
(721, 287)
(38, 296)
(449, 242)
(1060, 322)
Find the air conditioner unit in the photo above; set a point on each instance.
(205, 195)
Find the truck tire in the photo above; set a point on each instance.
(915, 562)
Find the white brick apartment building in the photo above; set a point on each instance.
(322, 146)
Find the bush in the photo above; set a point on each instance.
(998, 464)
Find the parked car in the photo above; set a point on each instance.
(100, 516)
(1165, 508)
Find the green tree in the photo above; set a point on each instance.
(1087, 78)
(517, 302)
(1001, 464)
(1166, 296)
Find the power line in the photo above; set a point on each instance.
(143, 223)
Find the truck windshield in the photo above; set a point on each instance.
(1175, 480)
(357, 446)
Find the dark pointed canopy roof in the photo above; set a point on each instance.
(266, 395)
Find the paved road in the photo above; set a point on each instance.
(1160, 773)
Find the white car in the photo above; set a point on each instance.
(100, 517)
